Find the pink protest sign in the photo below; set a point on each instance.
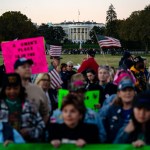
(32, 48)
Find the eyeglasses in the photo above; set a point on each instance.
(70, 66)
(45, 80)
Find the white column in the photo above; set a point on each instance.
(84, 35)
(80, 34)
(87, 34)
(76, 34)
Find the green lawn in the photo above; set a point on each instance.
(102, 60)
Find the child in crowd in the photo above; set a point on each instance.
(137, 131)
(73, 130)
(119, 113)
(17, 111)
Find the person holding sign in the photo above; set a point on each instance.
(73, 130)
(77, 87)
(56, 81)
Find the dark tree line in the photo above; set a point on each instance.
(133, 32)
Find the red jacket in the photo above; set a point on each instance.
(90, 63)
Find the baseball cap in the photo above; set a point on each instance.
(11, 79)
(142, 100)
(22, 61)
(125, 83)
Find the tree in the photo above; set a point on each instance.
(14, 25)
(136, 27)
(111, 24)
(96, 30)
(111, 14)
(52, 35)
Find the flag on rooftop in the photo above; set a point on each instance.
(105, 41)
(55, 50)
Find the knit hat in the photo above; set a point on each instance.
(142, 100)
(77, 86)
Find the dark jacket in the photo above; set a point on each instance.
(87, 132)
(114, 121)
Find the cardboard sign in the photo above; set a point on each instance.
(91, 98)
(32, 48)
(61, 94)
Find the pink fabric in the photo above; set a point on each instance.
(122, 74)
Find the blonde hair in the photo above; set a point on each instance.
(40, 77)
(77, 77)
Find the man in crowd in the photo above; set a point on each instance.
(89, 63)
(34, 93)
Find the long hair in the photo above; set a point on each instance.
(137, 125)
(22, 95)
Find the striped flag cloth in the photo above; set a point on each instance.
(55, 50)
(55, 79)
(105, 41)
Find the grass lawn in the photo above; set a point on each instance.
(102, 60)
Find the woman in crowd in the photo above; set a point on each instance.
(70, 70)
(137, 131)
(73, 130)
(92, 81)
(64, 75)
(17, 111)
(43, 81)
(119, 113)
(106, 87)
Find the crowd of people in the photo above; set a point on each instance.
(29, 110)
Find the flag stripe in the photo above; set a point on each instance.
(55, 50)
(55, 79)
(105, 41)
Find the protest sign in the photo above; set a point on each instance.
(91, 98)
(61, 94)
(32, 48)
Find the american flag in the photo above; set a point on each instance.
(55, 79)
(55, 50)
(105, 41)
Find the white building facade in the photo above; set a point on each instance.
(78, 32)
